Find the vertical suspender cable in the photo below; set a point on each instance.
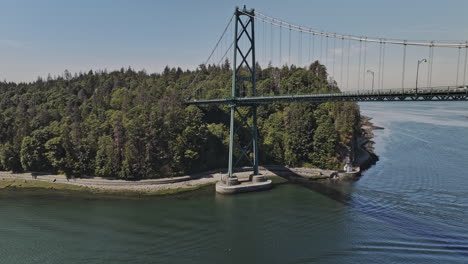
(403, 67)
(264, 44)
(380, 65)
(280, 55)
(281, 47)
(310, 38)
(299, 55)
(342, 56)
(430, 65)
(313, 47)
(289, 57)
(321, 50)
(312, 55)
(309, 62)
(334, 51)
(383, 65)
(429, 60)
(326, 53)
(464, 68)
(272, 50)
(458, 66)
(271, 45)
(364, 67)
(347, 68)
(359, 67)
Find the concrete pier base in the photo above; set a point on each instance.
(233, 185)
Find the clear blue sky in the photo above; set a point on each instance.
(41, 37)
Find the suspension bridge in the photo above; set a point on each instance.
(351, 62)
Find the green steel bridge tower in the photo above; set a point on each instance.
(246, 56)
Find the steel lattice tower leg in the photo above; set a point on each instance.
(245, 71)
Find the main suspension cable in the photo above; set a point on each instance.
(278, 22)
(209, 57)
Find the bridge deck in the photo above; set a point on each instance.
(424, 94)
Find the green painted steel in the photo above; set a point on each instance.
(254, 107)
(244, 24)
(408, 95)
(233, 94)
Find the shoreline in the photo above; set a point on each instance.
(367, 157)
(182, 184)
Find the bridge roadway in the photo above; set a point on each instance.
(459, 93)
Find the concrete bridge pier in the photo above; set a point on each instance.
(233, 185)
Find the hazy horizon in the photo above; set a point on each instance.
(38, 39)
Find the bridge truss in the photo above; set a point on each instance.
(424, 94)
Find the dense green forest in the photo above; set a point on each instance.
(131, 124)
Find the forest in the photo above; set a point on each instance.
(134, 125)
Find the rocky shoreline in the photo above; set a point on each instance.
(367, 157)
(279, 174)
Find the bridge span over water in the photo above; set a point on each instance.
(346, 56)
(388, 95)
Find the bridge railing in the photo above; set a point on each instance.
(362, 95)
(393, 91)
(406, 91)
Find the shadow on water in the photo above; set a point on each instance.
(338, 192)
(341, 191)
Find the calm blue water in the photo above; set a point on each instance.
(411, 207)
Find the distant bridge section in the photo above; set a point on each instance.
(387, 95)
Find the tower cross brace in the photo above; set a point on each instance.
(243, 72)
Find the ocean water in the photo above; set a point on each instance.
(411, 207)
